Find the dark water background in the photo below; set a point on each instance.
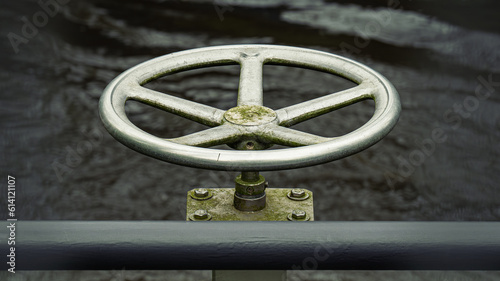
(436, 53)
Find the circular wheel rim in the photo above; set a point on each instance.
(314, 149)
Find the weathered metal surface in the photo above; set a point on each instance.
(250, 115)
(278, 206)
(250, 123)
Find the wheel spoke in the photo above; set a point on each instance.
(214, 136)
(250, 88)
(198, 112)
(289, 137)
(300, 112)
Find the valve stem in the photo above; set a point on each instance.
(249, 193)
(250, 176)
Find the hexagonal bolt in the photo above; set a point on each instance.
(297, 193)
(201, 192)
(299, 215)
(201, 215)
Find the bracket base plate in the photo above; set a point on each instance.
(279, 206)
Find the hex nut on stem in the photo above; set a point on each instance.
(249, 192)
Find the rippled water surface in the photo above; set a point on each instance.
(440, 162)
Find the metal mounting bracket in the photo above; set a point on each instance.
(216, 204)
(281, 204)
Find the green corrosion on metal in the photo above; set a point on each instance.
(312, 114)
(250, 115)
(278, 206)
(178, 112)
(259, 180)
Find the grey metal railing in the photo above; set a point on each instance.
(164, 245)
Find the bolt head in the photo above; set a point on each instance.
(200, 214)
(298, 214)
(201, 192)
(297, 193)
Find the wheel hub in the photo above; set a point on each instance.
(250, 115)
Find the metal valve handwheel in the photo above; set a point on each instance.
(249, 126)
